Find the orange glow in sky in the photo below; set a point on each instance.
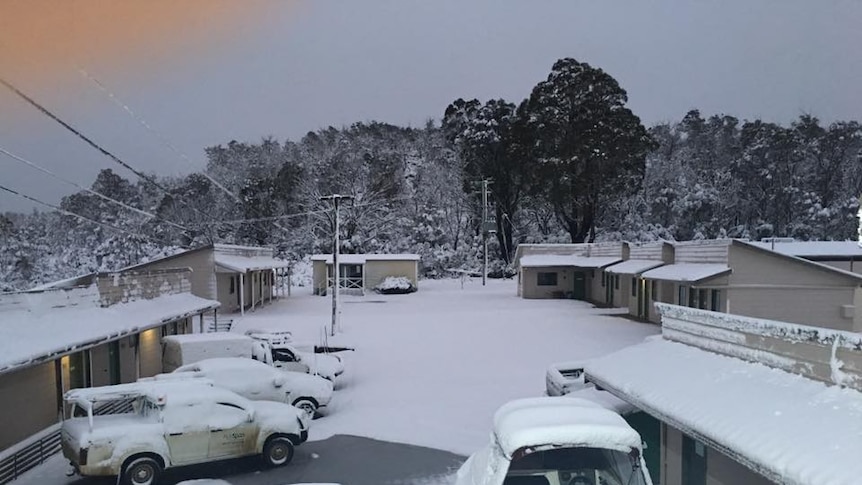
(43, 39)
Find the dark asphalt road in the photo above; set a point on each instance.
(347, 460)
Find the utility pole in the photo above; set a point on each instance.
(484, 230)
(336, 280)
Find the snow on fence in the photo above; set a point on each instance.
(822, 354)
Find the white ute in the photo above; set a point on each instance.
(259, 382)
(279, 350)
(553, 441)
(173, 424)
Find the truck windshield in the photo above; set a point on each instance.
(576, 466)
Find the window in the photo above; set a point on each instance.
(616, 282)
(547, 279)
(680, 299)
(715, 301)
(232, 288)
(634, 287)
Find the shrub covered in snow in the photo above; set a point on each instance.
(395, 285)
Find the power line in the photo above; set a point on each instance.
(155, 133)
(93, 144)
(67, 212)
(90, 191)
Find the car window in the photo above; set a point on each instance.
(283, 355)
(227, 415)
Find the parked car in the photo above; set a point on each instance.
(549, 440)
(565, 377)
(280, 349)
(259, 382)
(174, 423)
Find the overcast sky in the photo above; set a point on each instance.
(205, 72)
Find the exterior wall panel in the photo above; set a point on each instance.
(377, 270)
(29, 402)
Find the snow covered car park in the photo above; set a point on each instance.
(257, 381)
(174, 423)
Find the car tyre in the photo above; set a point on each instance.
(278, 451)
(141, 471)
(306, 404)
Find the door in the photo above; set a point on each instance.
(186, 433)
(644, 298)
(579, 290)
(641, 290)
(232, 431)
(693, 462)
(650, 430)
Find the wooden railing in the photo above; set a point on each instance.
(826, 355)
(352, 285)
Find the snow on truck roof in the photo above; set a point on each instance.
(183, 391)
(561, 421)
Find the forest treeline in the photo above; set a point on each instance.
(569, 163)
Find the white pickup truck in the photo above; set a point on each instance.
(173, 424)
(273, 348)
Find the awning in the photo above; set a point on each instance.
(547, 260)
(634, 266)
(690, 272)
(234, 263)
(37, 332)
(786, 427)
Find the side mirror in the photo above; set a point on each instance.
(278, 381)
(250, 417)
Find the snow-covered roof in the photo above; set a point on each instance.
(35, 330)
(686, 271)
(634, 266)
(363, 258)
(544, 260)
(791, 429)
(814, 249)
(243, 264)
(561, 421)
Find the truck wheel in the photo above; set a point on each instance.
(278, 451)
(306, 404)
(141, 471)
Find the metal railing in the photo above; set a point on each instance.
(29, 457)
(220, 325)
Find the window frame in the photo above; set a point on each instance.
(544, 282)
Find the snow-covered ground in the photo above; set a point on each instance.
(431, 367)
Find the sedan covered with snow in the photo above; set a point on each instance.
(257, 381)
(174, 423)
(557, 441)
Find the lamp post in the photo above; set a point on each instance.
(336, 283)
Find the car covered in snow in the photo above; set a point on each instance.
(279, 349)
(260, 382)
(555, 441)
(174, 423)
(565, 377)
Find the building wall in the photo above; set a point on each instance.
(765, 285)
(227, 298)
(720, 469)
(318, 277)
(565, 282)
(203, 277)
(128, 359)
(28, 404)
(377, 270)
(136, 285)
